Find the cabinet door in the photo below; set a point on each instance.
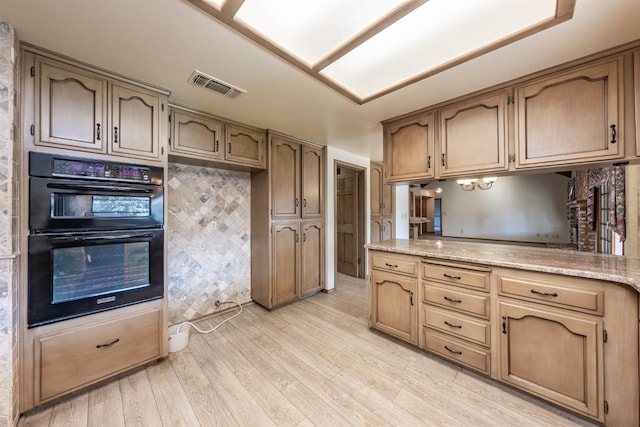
(473, 136)
(392, 306)
(312, 182)
(556, 355)
(135, 122)
(408, 150)
(311, 252)
(285, 238)
(376, 180)
(387, 228)
(573, 117)
(376, 230)
(71, 108)
(195, 135)
(245, 146)
(285, 183)
(636, 81)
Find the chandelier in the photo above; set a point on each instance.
(473, 183)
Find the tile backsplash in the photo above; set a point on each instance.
(209, 237)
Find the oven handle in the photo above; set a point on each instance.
(90, 238)
(113, 189)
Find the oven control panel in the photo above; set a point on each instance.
(50, 166)
(81, 168)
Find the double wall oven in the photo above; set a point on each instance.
(96, 236)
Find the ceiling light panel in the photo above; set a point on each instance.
(215, 3)
(311, 29)
(438, 32)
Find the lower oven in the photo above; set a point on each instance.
(75, 274)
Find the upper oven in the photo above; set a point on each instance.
(71, 194)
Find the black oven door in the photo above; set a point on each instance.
(72, 204)
(76, 274)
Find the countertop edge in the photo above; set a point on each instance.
(543, 259)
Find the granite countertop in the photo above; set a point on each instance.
(612, 268)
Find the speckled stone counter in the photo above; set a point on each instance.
(610, 268)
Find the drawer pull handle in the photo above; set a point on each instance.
(108, 345)
(452, 299)
(546, 294)
(391, 265)
(459, 353)
(452, 325)
(449, 276)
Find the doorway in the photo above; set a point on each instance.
(349, 219)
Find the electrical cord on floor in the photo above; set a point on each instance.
(215, 327)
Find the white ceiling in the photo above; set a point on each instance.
(162, 41)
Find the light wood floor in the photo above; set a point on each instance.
(314, 362)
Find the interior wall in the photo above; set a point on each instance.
(9, 215)
(522, 208)
(209, 233)
(333, 154)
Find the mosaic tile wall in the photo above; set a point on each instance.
(209, 234)
(9, 153)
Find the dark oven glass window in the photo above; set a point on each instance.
(91, 271)
(94, 206)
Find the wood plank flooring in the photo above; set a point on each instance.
(312, 363)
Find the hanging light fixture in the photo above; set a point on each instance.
(471, 184)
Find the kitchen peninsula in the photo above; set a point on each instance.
(559, 324)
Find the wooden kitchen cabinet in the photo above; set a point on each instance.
(393, 297)
(473, 136)
(287, 223)
(70, 107)
(382, 203)
(311, 257)
(245, 146)
(312, 182)
(456, 308)
(286, 261)
(135, 117)
(636, 83)
(78, 108)
(409, 149)
(571, 117)
(197, 135)
(555, 354)
(74, 358)
(201, 138)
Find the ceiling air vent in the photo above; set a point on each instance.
(199, 78)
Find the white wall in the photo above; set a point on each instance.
(523, 208)
(334, 154)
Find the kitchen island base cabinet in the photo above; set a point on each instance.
(394, 306)
(555, 355)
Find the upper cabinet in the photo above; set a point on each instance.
(195, 135)
(71, 107)
(199, 137)
(135, 122)
(409, 149)
(473, 136)
(636, 80)
(77, 109)
(312, 182)
(569, 117)
(245, 145)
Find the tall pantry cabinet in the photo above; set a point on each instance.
(287, 222)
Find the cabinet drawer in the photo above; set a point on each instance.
(586, 299)
(461, 301)
(457, 324)
(79, 357)
(458, 351)
(471, 278)
(397, 265)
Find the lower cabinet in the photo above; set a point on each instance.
(567, 340)
(554, 354)
(77, 357)
(297, 263)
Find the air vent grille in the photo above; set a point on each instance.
(201, 79)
